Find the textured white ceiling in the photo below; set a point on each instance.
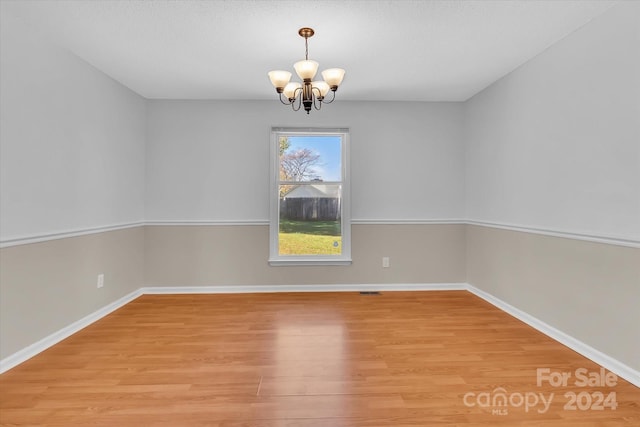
(392, 50)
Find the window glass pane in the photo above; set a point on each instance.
(310, 158)
(310, 220)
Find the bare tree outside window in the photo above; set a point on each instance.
(299, 165)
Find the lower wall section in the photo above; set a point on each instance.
(47, 286)
(237, 255)
(588, 290)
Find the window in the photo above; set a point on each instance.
(310, 215)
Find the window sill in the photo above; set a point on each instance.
(305, 261)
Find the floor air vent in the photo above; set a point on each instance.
(369, 293)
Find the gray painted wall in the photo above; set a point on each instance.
(237, 255)
(47, 286)
(72, 140)
(407, 158)
(72, 147)
(556, 145)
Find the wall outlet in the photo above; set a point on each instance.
(100, 280)
(385, 262)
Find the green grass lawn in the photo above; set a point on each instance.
(309, 237)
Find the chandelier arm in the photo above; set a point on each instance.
(332, 99)
(298, 98)
(285, 103)
(317, 100)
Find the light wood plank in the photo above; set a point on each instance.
(304, 360)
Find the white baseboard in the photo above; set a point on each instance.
(613, 365)
(303, 288)
(608, 362)
(28, 352)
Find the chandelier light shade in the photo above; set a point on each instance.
(279, 78)
(306, 69)
(309, 93)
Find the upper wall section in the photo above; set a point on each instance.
(209, 160)
(72, 141)
(553, 145)
(556, 144)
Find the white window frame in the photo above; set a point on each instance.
(275, 259)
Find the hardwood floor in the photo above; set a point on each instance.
(310, 360)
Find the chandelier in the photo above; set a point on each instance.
(308, 93)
